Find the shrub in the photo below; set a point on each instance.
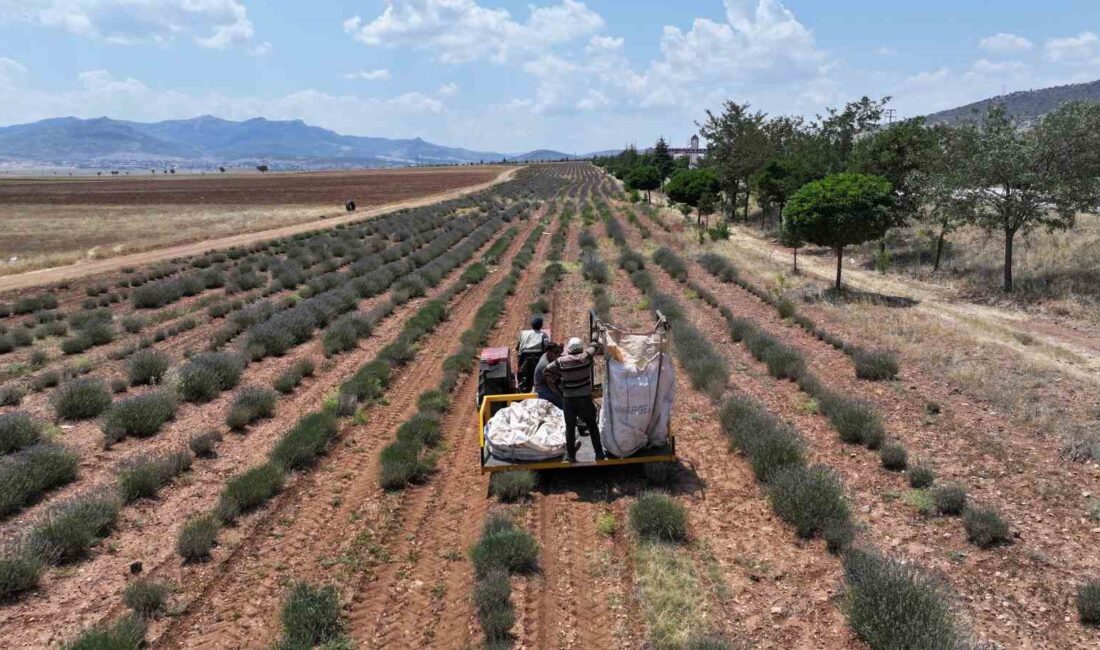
(203, 444)
(44, 380)
(22, 338)
(894, 457)
(25, 475)
(631, 261)
(19, 572)
(147, 367)
(433, 401)
(11, 395)
(1088, 603)
(984, 527)
(492, 598)
(251, 403)
(892, 605)
(81, 399)
(921, 476)
(300, 446)
(144, 477)
(146, 597)
(340, 336)
(719, 267)
(784, 362)
(197, 536)
(207, 374)
(119, 385)
(810, 499)
(785, 308)
(741, 329)
(857, 422)
(706, 643)
(593, 269)
(311, 616)
(838, 535)
(875, 365)
(655, 516)
(768, 443)
(133, 324)
(504, 547)
(140, 416)
(69, 529)
(128, 633)
(18, 430)
(249, 490)
(402, 463)
(512, 486)
(950, 499)
(671, 263)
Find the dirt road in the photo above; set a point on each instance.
(43, 277)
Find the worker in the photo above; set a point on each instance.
(570, 376)
(532, 343)
(553, 351)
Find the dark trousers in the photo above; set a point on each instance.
(583, 409)
(549, 396)
(526, 378)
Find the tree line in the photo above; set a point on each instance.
(845, 178)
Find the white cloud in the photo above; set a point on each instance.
(886, 51)
(1004, 43)
(460, 31)
(1081, 48)
(380, 74)
(448, 89)
(12, 73)
(987, 67)
(215, 24)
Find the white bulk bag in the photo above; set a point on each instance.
(638, 390)
(532, 429)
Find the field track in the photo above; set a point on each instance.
(42, 277)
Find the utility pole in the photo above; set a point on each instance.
(890, 113)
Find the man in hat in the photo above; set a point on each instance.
(553, 351)
(571, 377)
(532, 343)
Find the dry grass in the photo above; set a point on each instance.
(670, 595)
(42, 236)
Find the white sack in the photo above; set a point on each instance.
(639, 388)
(532, 429)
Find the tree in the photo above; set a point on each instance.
(645, 178)
(841, 210)
(939, 185)
(707, 204)
(221, 169)
(1026, 179)
(688, 185)
(262, 168)
(776, 182)
(789, 238)
(663, 159)
(737, 148)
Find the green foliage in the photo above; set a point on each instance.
(950, 499)
(19, 573)
(920, 476)
(492, 599)
(689, 185)
(875, 365)
(1088, 603)
(671, 263)
(768, 443)
(207, 374)
(504, 547)
(196, 537)
(81, 399)
(68, 530)
(897, 606)
(512, 486)
(11, 395)
(984, 527)
(251, 403)
(146, 597)
(809, 498)
(894, 457)
(841, 210)
(142, 478)
(27, 474)
(856, 421)
(249, 490)
(127, 633)
(657, 517)
(140, 416)
(304, 443)
(311, 616)
(290, 378)
(18, 430)
(203, 444)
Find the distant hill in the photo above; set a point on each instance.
(210, 142)
(1024, 106)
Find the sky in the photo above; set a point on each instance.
(509, 76)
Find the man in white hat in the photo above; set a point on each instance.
(571, 377)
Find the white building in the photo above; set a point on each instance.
(693, 152)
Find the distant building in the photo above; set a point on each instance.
(693, 152)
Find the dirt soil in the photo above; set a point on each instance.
(439, 186)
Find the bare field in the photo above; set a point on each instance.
(51, 222)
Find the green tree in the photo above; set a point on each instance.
(663, 159)
(776, 182)
(737, 147)
(895, 153)
(841, 210)
(687, 185)
(1026, 179)
(789, 238)
(645, 178)
(939, 185)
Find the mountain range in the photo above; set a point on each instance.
(1024, 106)
(209, 141)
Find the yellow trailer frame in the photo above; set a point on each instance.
(665, 453)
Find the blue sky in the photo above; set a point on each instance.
(511, 76)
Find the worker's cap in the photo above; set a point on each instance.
(555, 347)
(536, 322)
(574, 346)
